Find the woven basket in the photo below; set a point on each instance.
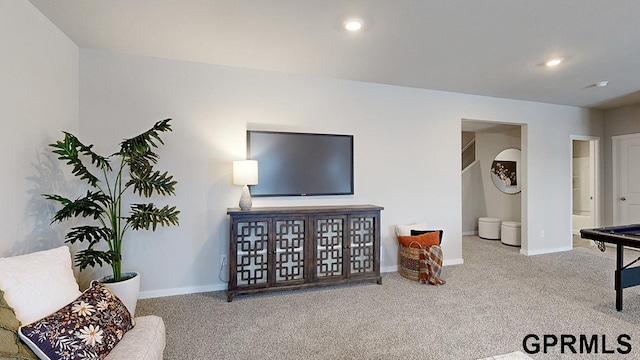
(410, 262)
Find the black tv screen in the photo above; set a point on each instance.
(301, 164)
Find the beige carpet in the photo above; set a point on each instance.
(516, 355)
(487, 307)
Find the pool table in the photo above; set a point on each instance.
(621, 236)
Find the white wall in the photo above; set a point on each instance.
(474, 204)
(506, 207)
(407, 152)
(621, 121)
(39, 98)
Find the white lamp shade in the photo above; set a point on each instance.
(245, 172)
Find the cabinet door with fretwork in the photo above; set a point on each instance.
(249, 260)
(329, 246)
(363, 244)
(289, 250)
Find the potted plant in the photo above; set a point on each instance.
(104, 201)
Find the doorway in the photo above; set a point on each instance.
(481, 197)
(584, 183)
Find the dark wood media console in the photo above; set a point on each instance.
(282, 248)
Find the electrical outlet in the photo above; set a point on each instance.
(223, 260)
(541, 233)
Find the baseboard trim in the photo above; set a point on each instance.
(453, 262)
(388, 269)
(396, 268)
(209, 288)
(181, 291)
(545, 251)
(468, 233)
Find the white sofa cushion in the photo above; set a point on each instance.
(38, 284)
(146, 341)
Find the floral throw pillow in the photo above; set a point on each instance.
(87, 328)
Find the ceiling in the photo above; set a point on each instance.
(493, 47)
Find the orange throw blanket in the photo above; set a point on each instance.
(431, 265)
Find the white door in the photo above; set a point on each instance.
(626, 168)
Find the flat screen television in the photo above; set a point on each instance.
(301, 164)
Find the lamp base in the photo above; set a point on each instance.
(245, 199)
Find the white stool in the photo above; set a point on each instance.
(511, 233)
(489, 228)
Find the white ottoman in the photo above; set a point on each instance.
(489, 228)
(511, 233)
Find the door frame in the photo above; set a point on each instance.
(615, 172)
(594, 154)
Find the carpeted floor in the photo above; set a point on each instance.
(516, 355)
(486, 308)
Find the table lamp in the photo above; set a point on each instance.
(245, 172)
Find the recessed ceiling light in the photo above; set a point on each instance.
(353, 24)
(554, 62)
(601, 83)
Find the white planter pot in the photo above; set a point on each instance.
(127, 290)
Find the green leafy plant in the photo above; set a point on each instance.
(104, 201)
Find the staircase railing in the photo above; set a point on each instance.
(469, 153)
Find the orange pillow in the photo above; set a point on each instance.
(425, 240)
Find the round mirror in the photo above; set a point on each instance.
(505, 171)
